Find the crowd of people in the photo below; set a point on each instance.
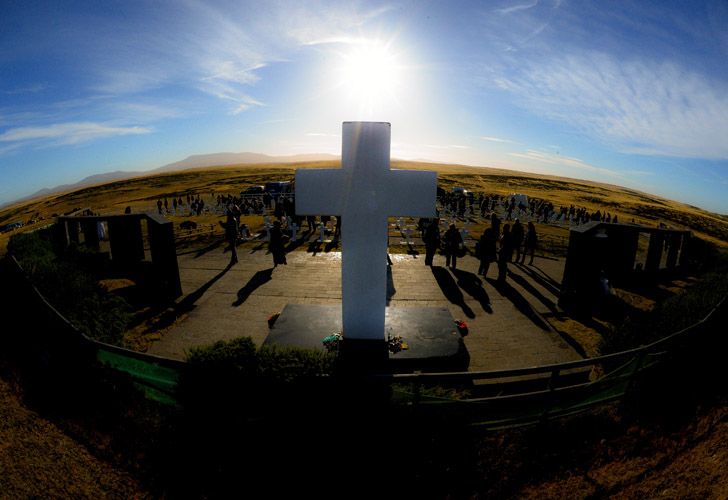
(518, 206)
(496, 244)
(503, 242)
(195, 205)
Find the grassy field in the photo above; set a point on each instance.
(142, 193)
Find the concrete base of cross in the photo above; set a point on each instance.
(433, 341)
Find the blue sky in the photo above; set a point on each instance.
(630, 93)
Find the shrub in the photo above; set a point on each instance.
(290, 364)
(235, 377)
(32, 252)
(673, 314)
(71, 289)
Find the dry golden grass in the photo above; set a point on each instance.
(141, 194)
(38, 460)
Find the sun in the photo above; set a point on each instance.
(370, 74)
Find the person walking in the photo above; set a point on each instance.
(495, 224)
(275, 246)
(453, 241)
(517, 238)
(486, 251)
(231, 234)
(337, 231)
(431, 238)
(506, 252)
(530, 243)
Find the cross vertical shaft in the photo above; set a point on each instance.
(365, 192)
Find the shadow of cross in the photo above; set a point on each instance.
(365, 192)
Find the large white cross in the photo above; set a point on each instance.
(365, 192)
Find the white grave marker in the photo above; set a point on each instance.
(364, 191)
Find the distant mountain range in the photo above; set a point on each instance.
(194, 161)
(218, 159)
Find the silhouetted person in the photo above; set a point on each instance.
(487, 250)
(275, 246)
(495, 224)
(506, 251)
(529, 246)
(453, 240)
(337, 231)
(517, 238)
(431, 237)
(231, 234)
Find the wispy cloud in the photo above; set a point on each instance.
(344, 40)
(30, 89)
(143, 111)
(229, 92)
(321, 134)
(566, 161)
(643, 107)
(69, 133)
(448, 146)
(517, 7)
(496, 139)
(306, 26)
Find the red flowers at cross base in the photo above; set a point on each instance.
(462, 327)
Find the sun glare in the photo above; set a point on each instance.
(370, 75)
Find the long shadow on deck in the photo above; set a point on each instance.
(523, 282)
(541, 278)
(544, 275)
(520, 302)
(450, 289)
(186, 304)
(473, 286)
(212, 246)
(259, 279)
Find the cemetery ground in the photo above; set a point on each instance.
(668, 444)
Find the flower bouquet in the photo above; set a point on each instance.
(396, 344)
(331, 342)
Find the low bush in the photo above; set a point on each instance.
(674, 313)
(235, 376)
(71, 288)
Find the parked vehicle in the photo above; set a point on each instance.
(12, 226)
(252, 190)
(277, 187)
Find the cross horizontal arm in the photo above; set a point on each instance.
(318, 191)
(411, 193)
